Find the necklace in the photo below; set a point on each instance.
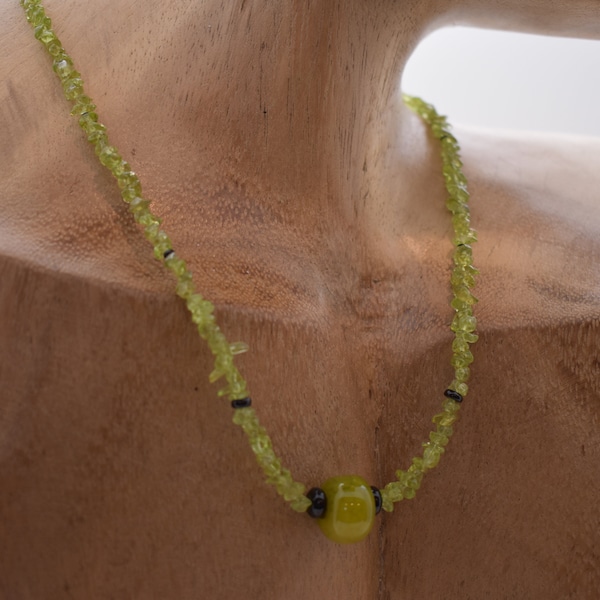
(344, 507)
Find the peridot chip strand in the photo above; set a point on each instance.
(202, 311)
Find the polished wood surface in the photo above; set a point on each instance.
(310, 204)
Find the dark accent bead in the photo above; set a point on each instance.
(168, 253)
(378, 499)
(453, 395)
(242, 403)
(319, 503)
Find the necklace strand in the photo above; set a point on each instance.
(341, 493)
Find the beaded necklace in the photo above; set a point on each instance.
(344, 507)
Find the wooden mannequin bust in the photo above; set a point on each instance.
(309, 202)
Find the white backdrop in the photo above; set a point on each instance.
(509, 80)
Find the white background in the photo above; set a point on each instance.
(509, 80)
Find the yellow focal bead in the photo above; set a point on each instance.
(350, 509)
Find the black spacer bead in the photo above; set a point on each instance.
(242, 403)
(453, 395)
(378, 499)
(319, 503)
(168, 253)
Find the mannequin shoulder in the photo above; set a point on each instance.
(536, 205)
(553, 173)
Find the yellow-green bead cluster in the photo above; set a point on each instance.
(463, 274)
(408, 482)
(202, 311)
(260, 442)
(131, 191)
(464, 323)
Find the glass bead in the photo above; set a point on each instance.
(271, 466)
(122, 170)
(452, 175)
(197, 304)
(184, 288)
(202, 314)
(35, 15)
(392, 492)
(83, 104)
(98, 135)
(350, 509)
(291, 490)
(244, 417)
(445, 419)
(160, 247)
(378, 499)
(138, 204)
(241, 403)
(453, 395)
(438, 439)
(463, 255)
(463, 276)
(63, 67)
(459, 345)
(54, 49)
(318, 503)
(417, 462)
(44, 33)
(461, 387)
(458, 191)
(456, 207)
(238, 348)
(126, 179)
(469, 337)
(206, 327)
(151, 232)
(261, 443)
(451, 405)
(463, 321)
(73, 87)
(465, 237)
(238, 385)
(462, 292)
(451, 158)
(413, 477)
(461, 221)
(457, 304)
(176, 265)
(431, 455)
(148, 219)
(109, 156)
(464, 359)
(224, 362)
(215, 375)
(88, 121)
(445, 430)
(449, 140)
(462, 374)
(300, 504)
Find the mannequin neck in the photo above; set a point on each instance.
(296, 105)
